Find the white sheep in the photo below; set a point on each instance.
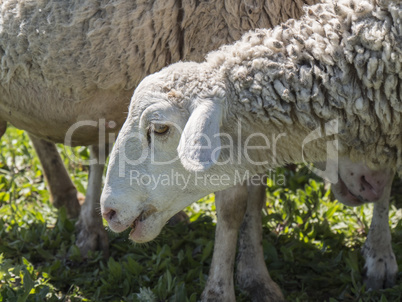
(64, 62)
(38, 23)
(337, 70)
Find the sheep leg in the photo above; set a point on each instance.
(230, 206)
(3, 127)
(252, 273)
(381, 267)
(62, 189)
(91, 233)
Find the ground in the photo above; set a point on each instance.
(311, 242)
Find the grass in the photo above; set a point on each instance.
(311, 243)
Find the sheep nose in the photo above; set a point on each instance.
(109, 214)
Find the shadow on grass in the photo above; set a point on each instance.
(43, 262)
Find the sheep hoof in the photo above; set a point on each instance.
(259, 287)
(380, 270)
(92, 237)
(218, 291)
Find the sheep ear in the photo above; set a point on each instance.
(199, 146)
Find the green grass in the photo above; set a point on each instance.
(311, 243)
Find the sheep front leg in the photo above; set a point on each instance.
(91, 233)
(381, 267)
(3, 128)
(252, 273)
(62, 189)
(230, 206)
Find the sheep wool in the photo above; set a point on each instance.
(81, 46)
(62, 62)
(341, 60)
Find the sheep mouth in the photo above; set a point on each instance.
(142, 217)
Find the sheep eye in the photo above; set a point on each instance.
(160, 128)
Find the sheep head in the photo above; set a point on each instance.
(168, 143)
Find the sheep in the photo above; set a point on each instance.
(337, 71)
(66, 62)
(81, 78)
(90, 56)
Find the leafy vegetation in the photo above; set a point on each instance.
(311, 243)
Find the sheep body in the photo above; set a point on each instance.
(68, 61)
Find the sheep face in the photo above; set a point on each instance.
(157, 166)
